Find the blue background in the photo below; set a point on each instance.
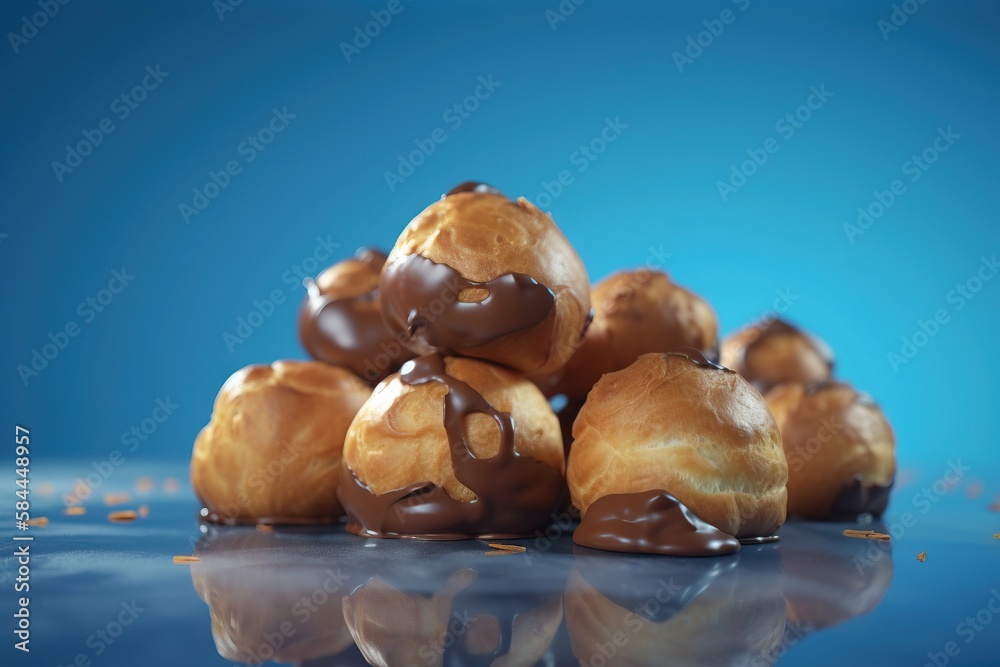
(654, 187)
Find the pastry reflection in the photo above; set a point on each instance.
(273, 596)
(830, 578)
(415, 613)
(683, 611)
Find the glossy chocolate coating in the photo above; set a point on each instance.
(652, 522)
(420, 300)
(473, 186)
(515, 494)
(349, 332)
(855, 499)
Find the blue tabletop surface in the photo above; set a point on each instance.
(107, 593)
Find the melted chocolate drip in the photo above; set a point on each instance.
(515, 494)
(420, 298)
(473, 186)
(350, 332)
(652, 522)
(696, 356)
(856, 498)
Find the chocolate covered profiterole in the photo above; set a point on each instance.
(340, 321)
(451, 448)
(636, 312)
(775, 351)
(271, 452)
(676, 455)
(840, 448)
(478, 275)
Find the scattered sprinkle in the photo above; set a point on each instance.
(995, 507)
(922, 556)
(122, 515)
(40, 521)
(171, 485)
(996, 536)
(75, 511)
(45, 488)
(513, 548)
(264, 528)
(498, 552)
(186, 560)
(974, 490)
(866, 534)
(112, 499)
(145, 484)
(143, 511)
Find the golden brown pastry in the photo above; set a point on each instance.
(271, 597)
(340, 321)
(478, 275)
(451, 448)
(636, 312)
(840, 448)
(682, 426)
(271, 453)
(775, 351)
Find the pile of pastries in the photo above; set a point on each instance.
(428, 408)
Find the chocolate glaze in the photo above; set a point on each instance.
(420, 298)
(652, 522)
(696, 356)
(779, 327)
(473, 186)
(515, 494)
(855, 499)
(350, 332)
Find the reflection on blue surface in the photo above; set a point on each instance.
(320, 596)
